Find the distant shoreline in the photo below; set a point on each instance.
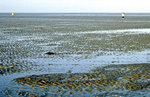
(75, 14)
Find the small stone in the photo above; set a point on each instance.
(50, 53)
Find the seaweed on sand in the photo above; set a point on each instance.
(109, 78)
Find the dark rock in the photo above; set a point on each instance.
(50, 53)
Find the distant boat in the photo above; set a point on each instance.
(13, 14)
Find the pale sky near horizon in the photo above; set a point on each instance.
(74, 6)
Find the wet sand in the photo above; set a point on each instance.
(89, 56)
(106, 81)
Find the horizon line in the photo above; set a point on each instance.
(74, 12)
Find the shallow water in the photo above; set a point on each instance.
(81, 43)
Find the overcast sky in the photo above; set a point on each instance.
(74, 6)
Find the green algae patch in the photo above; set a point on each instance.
(128, 77)
(9, 69)
(101, 80)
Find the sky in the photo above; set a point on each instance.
(74, 6)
